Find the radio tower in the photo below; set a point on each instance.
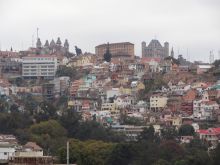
(219, 54)
(211, 57)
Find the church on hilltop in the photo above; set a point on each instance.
(155, 49)
(52, 47)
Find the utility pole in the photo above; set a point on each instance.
(32, 40)
(219, 54)
(67, 155)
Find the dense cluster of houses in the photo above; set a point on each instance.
(109, 91)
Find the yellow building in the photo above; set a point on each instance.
(177, 121)
(125, 90)
(109, 107)
(158, 101)
(82, 60)
(123, 49)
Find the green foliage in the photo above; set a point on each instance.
(48, 134)
(47, 111)
(122, 154)
(9, 123)
(107, 56)
(66, 71)
(196, 143)
(186, 130)
(148, 134)
(162, 162)
(216, 156)
(87, 153)
(154, 84)
(198, 157)
(169, 133)
(70, 121)
(93, 130)
(217, 63)
(170, 151)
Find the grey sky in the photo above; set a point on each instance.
(192, 24)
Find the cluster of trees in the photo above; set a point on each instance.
(149, 149)
(66, 71)
(50, 128)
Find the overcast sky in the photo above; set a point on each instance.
(185, 24)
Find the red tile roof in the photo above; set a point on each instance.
(210, 131)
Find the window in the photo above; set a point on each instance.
(5, 153)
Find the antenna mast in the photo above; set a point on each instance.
(219, 54)
(37, 33)
(32, 40)
(211, 57)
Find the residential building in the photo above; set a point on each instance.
(130, 131)
(39, 66)
(203, 68)
(109, 107)
(158, 101)
(205, 110)
(6, 151)
(211, 135)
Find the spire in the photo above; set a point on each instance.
(46, 43)
(58, 41)
(172, 53)
(38, 44)
(11, 49)
(66, 45)
(52, 43)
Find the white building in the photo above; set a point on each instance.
(6, 150)
(204, 110)
(35, 66)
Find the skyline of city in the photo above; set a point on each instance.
(188, 26)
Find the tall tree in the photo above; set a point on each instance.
(107, 55)
(186, 130)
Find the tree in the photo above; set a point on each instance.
(198, 157)
(70, 121)
(89, 152)
(122, 154)
(215, 155)
(107, 55)
(170, 151)
(47, 111)
(168, 133)
(66, 71)
(161, 162)
(186, 130)
(196, 143)
(148, 134)
(48, 134)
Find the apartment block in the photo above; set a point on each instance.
(39, 66)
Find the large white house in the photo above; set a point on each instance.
(7, 150)
(34, 66)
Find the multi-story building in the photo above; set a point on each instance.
(155, 49)
(211, 135)
(130, 131)
(158, 102)
(205, 110)
(39, 66)
(118, 50)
